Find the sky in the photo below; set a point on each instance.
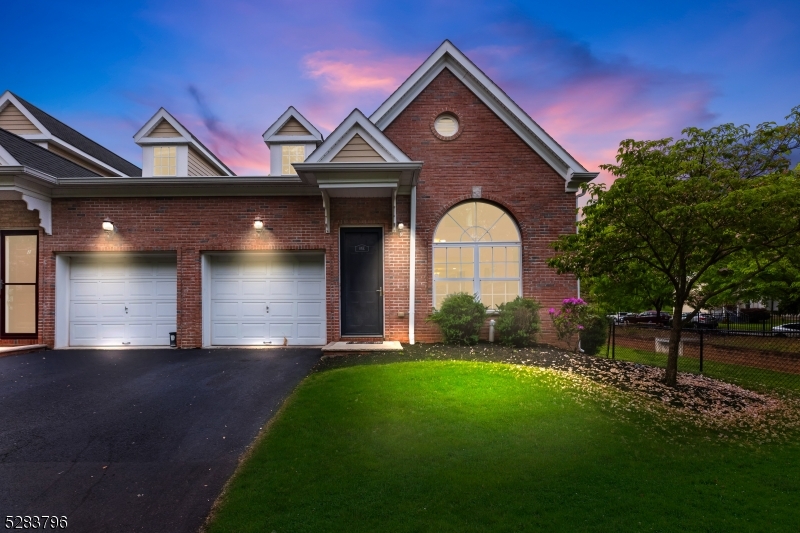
(591, 74)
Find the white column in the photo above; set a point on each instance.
(412, 267)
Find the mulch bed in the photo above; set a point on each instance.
(701, 396)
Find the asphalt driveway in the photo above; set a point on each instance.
(133, 440)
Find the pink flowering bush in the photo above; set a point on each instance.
(570, 320)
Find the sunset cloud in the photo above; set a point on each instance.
(347, 71)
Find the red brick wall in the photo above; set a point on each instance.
(14, 214)
(488, 154)
(190, 226)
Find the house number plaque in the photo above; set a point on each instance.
(362, 248)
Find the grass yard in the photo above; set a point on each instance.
(467, 446)
(746, 376)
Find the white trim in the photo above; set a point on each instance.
(62, 301)
(326, 204)
(412, 267)
(7, 98)
(69, 148)
(35, 202)
(270, 137)
(187, 137)
(7, 159)
(205, 297)
(447, 56)
(357, 123)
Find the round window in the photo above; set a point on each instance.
(446, 125)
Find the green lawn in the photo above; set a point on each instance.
(749, 377)
(463, 446)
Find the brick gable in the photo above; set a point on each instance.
(486, 154)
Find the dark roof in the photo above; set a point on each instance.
(80, 141)
(31, 155)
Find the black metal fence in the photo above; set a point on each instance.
(756, 358)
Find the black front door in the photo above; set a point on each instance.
(361, 263)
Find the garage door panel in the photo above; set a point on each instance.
(309, 309)
(310, 268)
(253, 332)
(310, 289)
(112, 289)
(84, 311)
(166, 310)
(85, 289)
(111, 310)
(253, 309)
(279, 330)
(103, 286)
(254, 288)
(309, 330)
(225, 289)
(281, 288)
(141, 310)
(228, 332)
(224, 310)
(281, 310)
(267, 280)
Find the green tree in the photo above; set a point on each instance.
(631, 287)
(686, 208)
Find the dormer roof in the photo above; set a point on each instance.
(292, 127)
(447, 56)
(164, 129)
(357, 140)
(31, 123)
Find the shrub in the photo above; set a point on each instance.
(593, 335)
(460, 318)
(518, 322)
(569, 321)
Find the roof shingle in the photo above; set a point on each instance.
(31, 155)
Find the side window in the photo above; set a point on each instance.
(291, 153)
(19, 264)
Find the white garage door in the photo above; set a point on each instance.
(122, 301)
(267, 299)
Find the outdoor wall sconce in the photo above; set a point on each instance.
(400, 227)
(258, 224)
(109, 227)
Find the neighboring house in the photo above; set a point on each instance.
(448, 186)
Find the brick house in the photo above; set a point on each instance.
(448, 186)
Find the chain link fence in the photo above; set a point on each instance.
(757, 358)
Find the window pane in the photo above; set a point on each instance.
(453, 255)
(20, 309)
(512, 269)
(467, 254)
(164, 161)
(448, 230)
(487, 214)
(505, 230)
(439, 255)
(494, 293)
(499, 270)
(292, 153)
(464, 214)
(20, 253)
(498, 253)
(512, 253)
(443, 288)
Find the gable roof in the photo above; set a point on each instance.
(278, 132)
(49, 124)
(447, 56)
(357, 124)
(156, 122)
(28, 154)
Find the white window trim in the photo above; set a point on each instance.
(476, 279)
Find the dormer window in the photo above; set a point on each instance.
(165, 161)
(291, 153)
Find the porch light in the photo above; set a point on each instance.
(258, 224)
(108, 226)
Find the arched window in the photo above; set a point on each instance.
(476, 249)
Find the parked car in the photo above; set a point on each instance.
(704, 320)
(649, 317)
(620, 316)
(787, 330)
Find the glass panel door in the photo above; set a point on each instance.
(20, 262)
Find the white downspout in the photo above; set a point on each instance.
(412, 267)
(578, 219)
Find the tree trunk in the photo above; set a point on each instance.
(671, 377)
